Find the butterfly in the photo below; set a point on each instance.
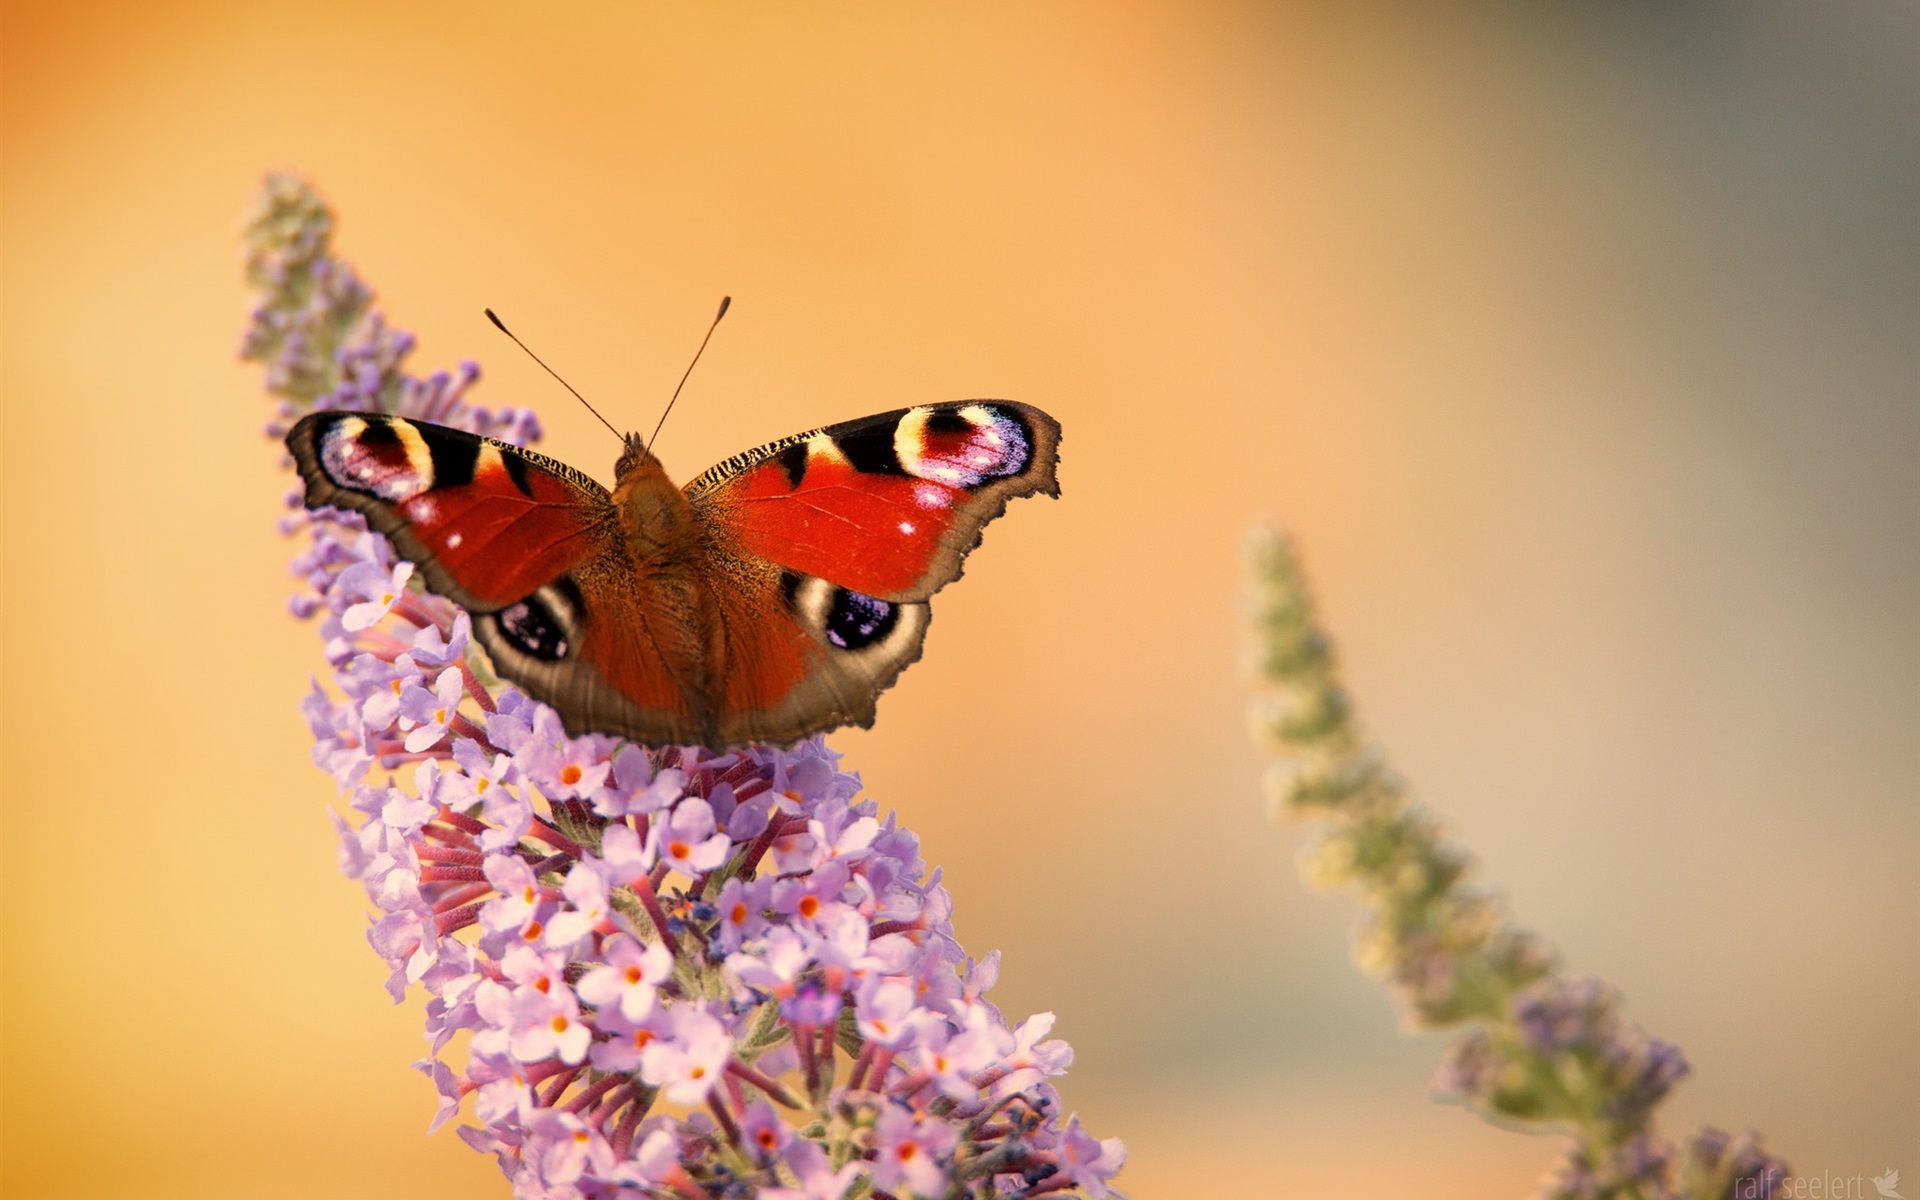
(773, 597)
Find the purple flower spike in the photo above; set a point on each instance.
(1541, 1049)
(681, 974)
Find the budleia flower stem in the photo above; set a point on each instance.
(643, 950)
(1539, 1049)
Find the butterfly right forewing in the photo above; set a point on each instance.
(888, 505)
(835, 539)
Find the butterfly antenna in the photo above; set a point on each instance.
(724, 302)
(501, 326)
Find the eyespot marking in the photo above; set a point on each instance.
(856, 621)
(962, 447)
(384, 457)
(847, 619)
(542, 625)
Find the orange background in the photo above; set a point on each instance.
(1576, 349)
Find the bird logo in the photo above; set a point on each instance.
(1886, 1184)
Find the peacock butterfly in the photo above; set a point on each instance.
(774, 597)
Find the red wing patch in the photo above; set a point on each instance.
(499, 541)
(874, 533)
(888, 506)
(768, 652)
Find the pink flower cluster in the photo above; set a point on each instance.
(655, 952)
(673, 972)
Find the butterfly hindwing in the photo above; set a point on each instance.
(889, 505)
(804, 654)
(605, 657)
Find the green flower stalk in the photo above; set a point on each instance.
(1540, 1050)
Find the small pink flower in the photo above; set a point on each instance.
(888, 1014)
(634, 789)
(626, 858)
(687, 1065)
(621, 1048)
(949, 1060)
(517, 910)
(586, 912)
(630, 977)
(367, 593)
(527, 967)
(809, 897)
(776, 967)
(426, 714)
(763, 1132)
(686, 841)
(572, 1147)
(908, 1147)
(839, 833)
(818, 1179)
(546, 1024)
(741, 904)
(1089, 1162)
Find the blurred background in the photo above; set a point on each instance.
(1576, 344)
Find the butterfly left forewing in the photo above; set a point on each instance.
(488, 523)
(533, 549)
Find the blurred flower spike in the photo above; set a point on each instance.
(1541, 1051)
(674, 973)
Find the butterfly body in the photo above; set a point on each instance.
(773, 597)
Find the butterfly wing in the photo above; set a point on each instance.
(802, 655)
(826, 545)
(887, 506)
(488, 523)
(805, 598)
(529, 546)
